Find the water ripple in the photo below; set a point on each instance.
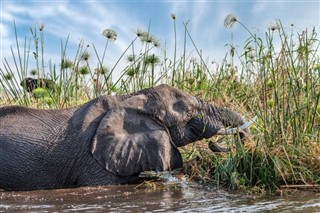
(171, 197)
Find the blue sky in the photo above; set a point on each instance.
(87, 19)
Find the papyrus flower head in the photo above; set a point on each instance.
(110, 34)
(229, 20)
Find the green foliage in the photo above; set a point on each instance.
(40, 93)
(276, 77)
(243, 169)
(48, 101)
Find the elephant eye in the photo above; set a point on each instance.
(183, 108)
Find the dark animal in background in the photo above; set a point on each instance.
(29, 84)
(109, 140)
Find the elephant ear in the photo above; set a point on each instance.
(128, 142)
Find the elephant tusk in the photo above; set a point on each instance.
(233, 131)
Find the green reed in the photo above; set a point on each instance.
(275, 76)
(281, 85)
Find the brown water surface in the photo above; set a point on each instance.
(169, 197)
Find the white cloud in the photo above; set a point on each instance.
(87, 19)
(34, 10)
(5, 47)
(299, 13)
(259, 7)
(200, 11)
(4, 30)
(61, 19)
(6, 16)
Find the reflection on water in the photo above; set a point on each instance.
(170, 197)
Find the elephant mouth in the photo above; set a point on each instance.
(196, 129)
(241, 129)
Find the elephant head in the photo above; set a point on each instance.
(142, 131)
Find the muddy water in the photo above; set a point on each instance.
(168, 197)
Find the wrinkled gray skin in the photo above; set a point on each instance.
(108, 140)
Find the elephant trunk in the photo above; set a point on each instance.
(222, 121)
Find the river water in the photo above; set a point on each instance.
(166, 197)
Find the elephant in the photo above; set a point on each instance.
(108, 140)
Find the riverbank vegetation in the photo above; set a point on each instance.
(275, 77)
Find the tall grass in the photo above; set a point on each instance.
(275, 76)
(281, 85)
